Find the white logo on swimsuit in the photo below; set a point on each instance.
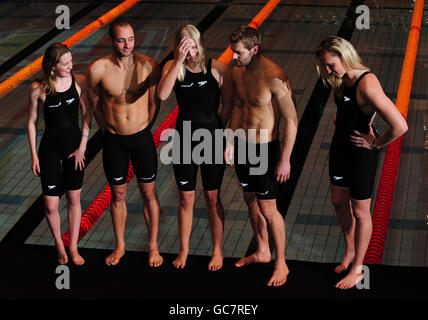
(55, 105)
(201, 83)
(118, 179)
(345, 98)
(244, 184)
(184, 182)
(148, 177)
(337, 178)
(51, 187)
(69, 100)
(263, 193)
(187, 85)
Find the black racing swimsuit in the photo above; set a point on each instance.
(61, 137)
(198, 98)
(351, 166)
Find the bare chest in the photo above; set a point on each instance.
(128, 84)
(253, 91)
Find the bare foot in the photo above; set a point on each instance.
(351, 279)
(279, 276)
(216, 262)
(114, 258)
(180, 261)
(348, 258)
(155, 259)
(62, 257)
(76, 257)
(253, 258)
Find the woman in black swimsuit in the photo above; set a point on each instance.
(60, 160)
(200, 84)
(354, 149)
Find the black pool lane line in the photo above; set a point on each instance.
(29, 221)
(37, 44)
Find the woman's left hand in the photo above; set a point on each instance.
(79, 157)
(363, 140)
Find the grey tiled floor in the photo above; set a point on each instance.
(289, 37)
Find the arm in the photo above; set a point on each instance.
(283, 96)
(372, 93)
(234, 124)
(167, 81)
(153, 99)
(171, 69)
(226, 86)
(94, 94)
(33, 96)
(79, 153)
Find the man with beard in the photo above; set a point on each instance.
(123, 87)
(262, 95)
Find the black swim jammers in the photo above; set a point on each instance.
(119, 149)
(263, 183)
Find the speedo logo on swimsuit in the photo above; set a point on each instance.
(201, 83)
(263, 193)
(345, 98)
(148, 177)
(55, 105)
(187, 85)
(69, 100)
(244, 184)
(184, 182)
(51, 187)
(118, 179)
(337, 178)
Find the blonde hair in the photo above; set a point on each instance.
(192, 32)
(348, 56)
(51, 58)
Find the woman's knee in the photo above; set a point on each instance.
(51, 207)
(187, 198)
(73, 198)
(361, 211)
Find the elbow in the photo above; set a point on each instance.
(162, 96)
(404, 127)
(162, 93)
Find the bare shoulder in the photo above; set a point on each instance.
(146, 61)
(221, 67)
(368, 82)
(98, 67)
(370, 87)
(36, 89)
(274, 73)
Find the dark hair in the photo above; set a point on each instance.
(249, 36)
(118, 22)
